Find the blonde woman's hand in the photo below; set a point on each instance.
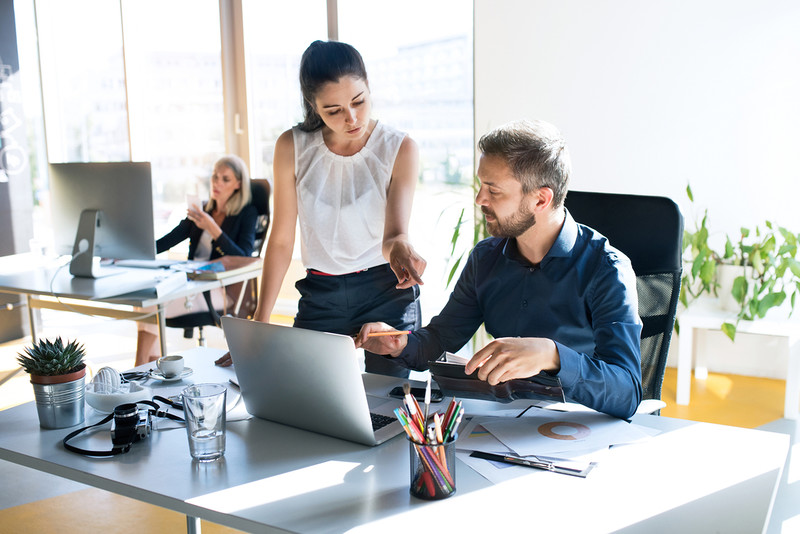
(204, 221)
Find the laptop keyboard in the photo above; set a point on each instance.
(380, 421)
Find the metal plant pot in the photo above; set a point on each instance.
(60, 399)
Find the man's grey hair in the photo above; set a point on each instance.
(536, 152)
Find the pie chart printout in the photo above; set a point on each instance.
(564, 430)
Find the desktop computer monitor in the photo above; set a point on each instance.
(102, 210)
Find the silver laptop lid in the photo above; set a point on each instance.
(302, 378)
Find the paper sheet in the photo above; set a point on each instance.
(546, 432)
(475, 437)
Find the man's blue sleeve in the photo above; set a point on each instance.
(452, 328)
(610, 380)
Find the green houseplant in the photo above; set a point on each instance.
(478, 233)
(57, 372)
(767, 271)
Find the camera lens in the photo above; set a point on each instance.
(125, 410)
(123, 429)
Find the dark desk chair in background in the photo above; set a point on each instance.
(244, 294)
(649, 230)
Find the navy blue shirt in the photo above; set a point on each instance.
(582, 296)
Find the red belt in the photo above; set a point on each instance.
(320, 273)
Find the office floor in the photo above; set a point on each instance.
(37, 502)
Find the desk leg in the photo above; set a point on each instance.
(162, 330)
(192, 525)
(685, 352)
(32, 318)
(792, 398)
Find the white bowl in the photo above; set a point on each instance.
(99, 397)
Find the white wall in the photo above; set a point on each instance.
(654, 95)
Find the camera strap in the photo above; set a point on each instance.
(112, 452)
(157, 411)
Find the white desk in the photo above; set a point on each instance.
(693, 477)
(46, 284)
(705, 314)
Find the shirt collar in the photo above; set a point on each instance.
(562, 247)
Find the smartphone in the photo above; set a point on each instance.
(419, 394)
(192, 201)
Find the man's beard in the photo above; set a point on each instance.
(514, 226)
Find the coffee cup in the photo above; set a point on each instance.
(170, 366)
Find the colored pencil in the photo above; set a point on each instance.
(388, 333)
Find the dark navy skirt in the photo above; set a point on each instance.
(343, 303)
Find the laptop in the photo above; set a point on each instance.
(306, 379)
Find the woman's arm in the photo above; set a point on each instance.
(281, 239)
(174, 236)
(239, 234)
(407, 265)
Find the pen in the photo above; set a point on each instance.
(536, 464)
(388, 333)
(547, 466)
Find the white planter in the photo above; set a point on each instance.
(726, 274)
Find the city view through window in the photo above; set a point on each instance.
(124, 84)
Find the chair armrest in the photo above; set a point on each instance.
(648, 406)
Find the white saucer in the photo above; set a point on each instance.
(155, 374)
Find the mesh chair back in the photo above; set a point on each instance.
(649, 230)
(261, 189)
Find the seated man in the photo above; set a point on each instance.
(555, 295)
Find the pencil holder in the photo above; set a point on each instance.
(433, 469)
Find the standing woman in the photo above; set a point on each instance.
(350, 179)
(226, 225)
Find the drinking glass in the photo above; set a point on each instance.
(204, 411)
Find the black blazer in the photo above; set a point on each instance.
(237, 238)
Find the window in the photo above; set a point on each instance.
(419, 61)
(83, 80)
(174, 87)
(276, 33)
(158, 98)
(134, 82)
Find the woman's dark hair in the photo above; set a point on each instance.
(323, 62)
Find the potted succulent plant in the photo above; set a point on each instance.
(57, 373)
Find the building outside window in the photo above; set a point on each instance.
(134, 82)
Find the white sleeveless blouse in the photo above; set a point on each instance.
(341, 200)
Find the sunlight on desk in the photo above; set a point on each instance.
(791, 525)
(725, 484)
(277, 488)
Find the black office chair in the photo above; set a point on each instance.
(244, 294)
(649, 230)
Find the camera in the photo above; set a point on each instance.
(130, 424)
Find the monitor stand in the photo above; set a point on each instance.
(84, 263)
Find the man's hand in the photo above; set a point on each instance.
(512, 357)
(392, 345)
(225, 360)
